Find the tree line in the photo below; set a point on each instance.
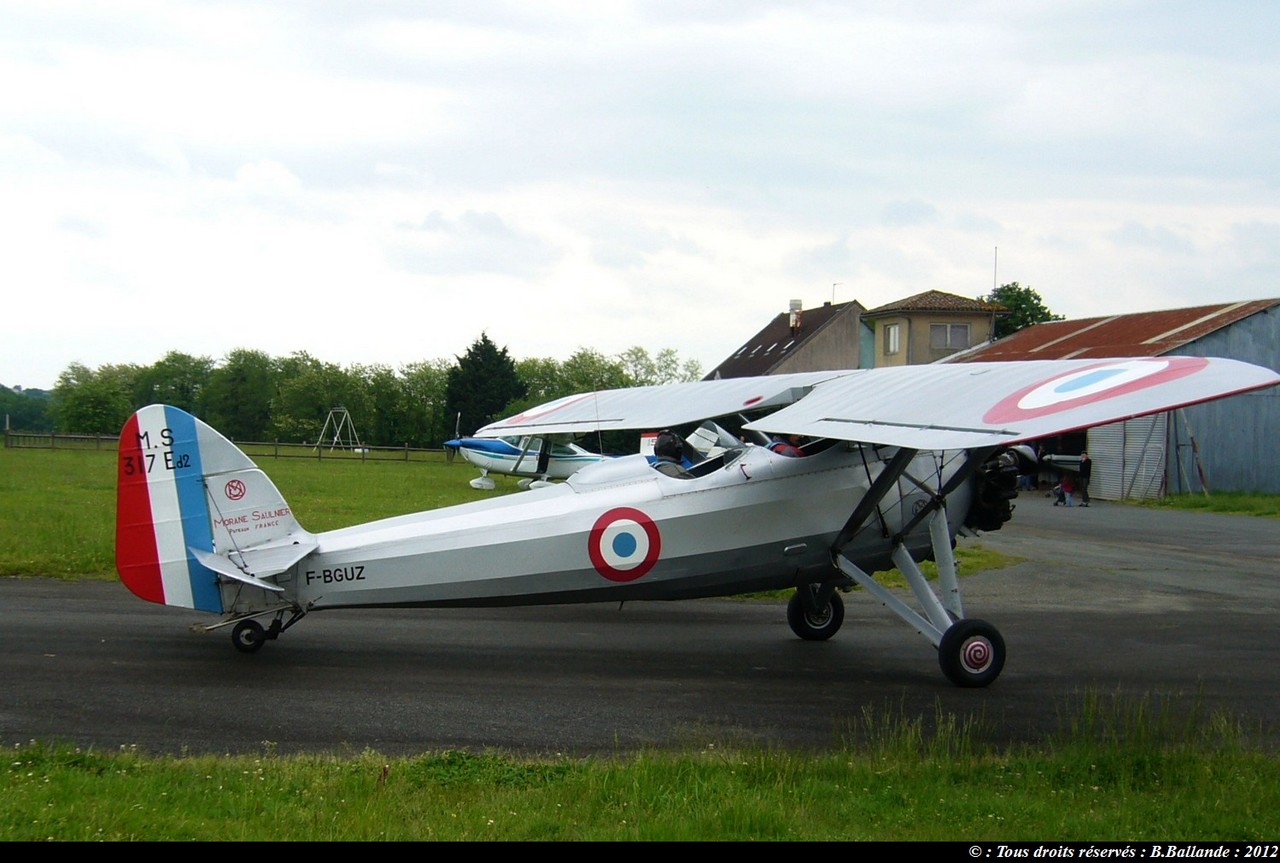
(252, 396)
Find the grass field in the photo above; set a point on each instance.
(1126, 771)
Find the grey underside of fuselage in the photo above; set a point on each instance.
(723, 573)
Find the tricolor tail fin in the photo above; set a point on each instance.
(193, 513)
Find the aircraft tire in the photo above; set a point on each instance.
(248, 636)
(971, 653)
(811, 626)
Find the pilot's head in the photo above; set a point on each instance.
(668, 445)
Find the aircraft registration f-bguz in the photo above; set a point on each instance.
(904, 459)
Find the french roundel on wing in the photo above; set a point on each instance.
(624, 544)
(543, 410)
(1095, 383)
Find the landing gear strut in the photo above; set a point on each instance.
(971, 652)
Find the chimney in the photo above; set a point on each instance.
(796, 306)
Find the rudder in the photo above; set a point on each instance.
(170, 513)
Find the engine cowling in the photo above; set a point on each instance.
(996, 485)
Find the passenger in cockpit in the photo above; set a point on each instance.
(787, 444)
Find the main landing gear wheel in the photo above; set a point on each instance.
(248, 636)
(814, 625)
(971, 653)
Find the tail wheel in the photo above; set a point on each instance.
(248, 636)
(971, 653)
(814, 625)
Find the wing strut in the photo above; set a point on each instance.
(973, 460)
(938, 612)
(879, 487)
(936, 618)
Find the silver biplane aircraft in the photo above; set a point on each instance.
(903, 460)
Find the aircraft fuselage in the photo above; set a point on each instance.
(620, 530)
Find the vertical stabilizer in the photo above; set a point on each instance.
(185, 492)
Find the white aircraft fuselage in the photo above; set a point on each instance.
(617, 530)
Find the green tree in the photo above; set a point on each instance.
(665, 368)
(1024, 305)
(542, 378)
(482, 383)
(424, 388)
(238, 397)
(26, 410)
(588, 370)
(178, 379)
(390, 421)
(309, 391)
(88, 401)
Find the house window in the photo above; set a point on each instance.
(948, 336)
(890, 339)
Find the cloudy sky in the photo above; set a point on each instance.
(377, 183)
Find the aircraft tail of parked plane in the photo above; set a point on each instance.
(901, 461)
(193, 512)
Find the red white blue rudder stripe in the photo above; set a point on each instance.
(162, 511)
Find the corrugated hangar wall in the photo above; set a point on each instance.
(1237, 439)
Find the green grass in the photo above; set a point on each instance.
(1234, 503)
(1127, 771)
(57, 507)
(1124, 769)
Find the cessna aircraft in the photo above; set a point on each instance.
(523, 456)
(902, 461)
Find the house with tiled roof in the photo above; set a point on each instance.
(831, 336)
(930, 326)
(1228, 445)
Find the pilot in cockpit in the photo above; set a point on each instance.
(668, 454)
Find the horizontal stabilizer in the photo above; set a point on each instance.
(267, 561)
(224, 567)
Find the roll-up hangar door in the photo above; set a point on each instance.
(1129, 458)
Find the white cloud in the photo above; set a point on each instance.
(379, 183)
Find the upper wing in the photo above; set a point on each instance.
(657, 407)
(965, 405)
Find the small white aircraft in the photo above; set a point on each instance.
(523, 456)
(903, 460)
